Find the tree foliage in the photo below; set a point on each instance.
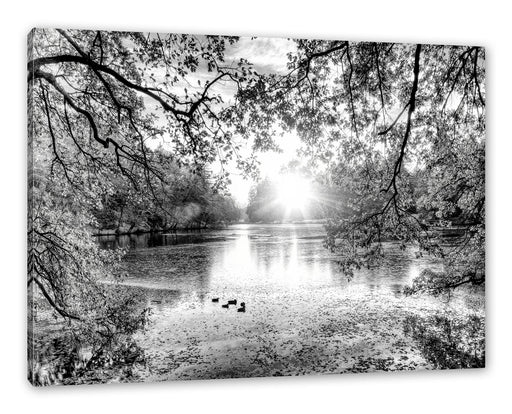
(188, 199)
(397, 130)
(98, 103)
(401, 128)
(266, 203)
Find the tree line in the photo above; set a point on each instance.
(188, 201)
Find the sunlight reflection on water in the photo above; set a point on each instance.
(302, 314)
(245, 258)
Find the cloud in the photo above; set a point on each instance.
(269, 55)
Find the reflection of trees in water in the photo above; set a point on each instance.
(153, 239)
(182, 267)
(276, 253)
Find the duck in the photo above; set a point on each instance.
(215, 299)
(232, 302)
(241, 308)
(226, 305)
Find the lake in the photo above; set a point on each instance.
(302, 316)
(245, 256)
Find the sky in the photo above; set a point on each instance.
(270, 165)
(268, 55)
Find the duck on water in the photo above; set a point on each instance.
(231, 302)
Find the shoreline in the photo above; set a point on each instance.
(353, 330)
(137, 231)
(350, 332)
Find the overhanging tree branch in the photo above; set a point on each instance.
(411, 104)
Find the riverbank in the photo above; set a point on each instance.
(137, 230)
(127, 231)
(326, 331)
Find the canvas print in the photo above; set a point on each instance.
(207, 207)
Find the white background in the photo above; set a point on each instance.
(466, 22)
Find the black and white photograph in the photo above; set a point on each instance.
(214, 207)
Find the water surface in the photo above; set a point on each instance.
(246, 256)
(302, 314)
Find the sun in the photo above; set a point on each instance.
(294, 191)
